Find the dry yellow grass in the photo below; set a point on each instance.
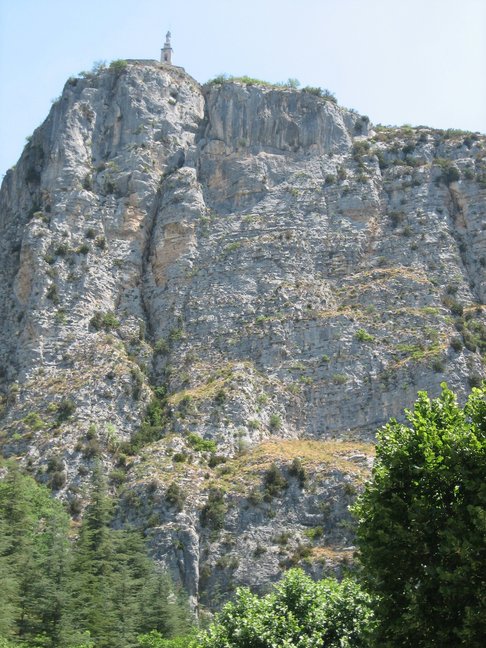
(330, 554)
(474, 307)
(200, 392)
(241, 474)
(311, 452)
(214, 381)
(383, 274)
(247, 469)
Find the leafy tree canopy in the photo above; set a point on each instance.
(299, 613)
(422, 525)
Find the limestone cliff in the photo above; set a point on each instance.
(201, 284)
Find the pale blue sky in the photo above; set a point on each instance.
(398, 61)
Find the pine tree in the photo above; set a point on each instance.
(166, 608)
(133, 572)
(91, 573)
(115, 592)
(103, 592)
(9, 585)
(32, 558)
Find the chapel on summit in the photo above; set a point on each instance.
(166, 51)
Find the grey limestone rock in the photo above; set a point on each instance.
(201, 285)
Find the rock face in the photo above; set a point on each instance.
(221, 292)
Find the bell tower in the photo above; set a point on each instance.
(166, 51)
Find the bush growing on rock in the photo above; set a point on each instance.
(450, 173)
(118, 65)
(105, 321)
(214, 511)
(175, 496)
(297, 470)
(275, 422)
(200, 444)
(65, 410)
(274, 482)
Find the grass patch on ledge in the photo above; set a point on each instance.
(215, 381)
(244, 472)
(377, 278)
(311, 452)
(330, 555)
(417, 353)
(241, 475)
(204, 391)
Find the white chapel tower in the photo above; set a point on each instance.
(166, 51)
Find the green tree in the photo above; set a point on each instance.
(9, 587)
(165, 608)
(422, 525)
(299, 613)
(92, 572)
(154, 639)
(104, 592)
(33, 548)
(116, 593)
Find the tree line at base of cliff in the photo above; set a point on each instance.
(100, 590)
(420, 575)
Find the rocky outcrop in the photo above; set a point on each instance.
(201, 284)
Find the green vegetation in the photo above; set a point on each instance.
(83, 249)
(88, 182)
(104, 321)
(363, 336)
(153, 423)
(422, 526)
(60, 317)
(297, 613)
(101, 242)
(65, 410)
(53, 294)
(246, 80)
(360, 148)
(33, 544)
(473, 331)
(274, 483)
(297, 470)
(214, 511)
(175, 496)
(100, 591)
(62, 250)
(154, 639)
(453, 305)
(161, 347)
(320, 92)
(118, 65)
(339, 379)
(200, 444)
(421, 547)
(34, 421)
(450, 172)
(420, 535)
(232, 247)
(315, 533)
(293, 84)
